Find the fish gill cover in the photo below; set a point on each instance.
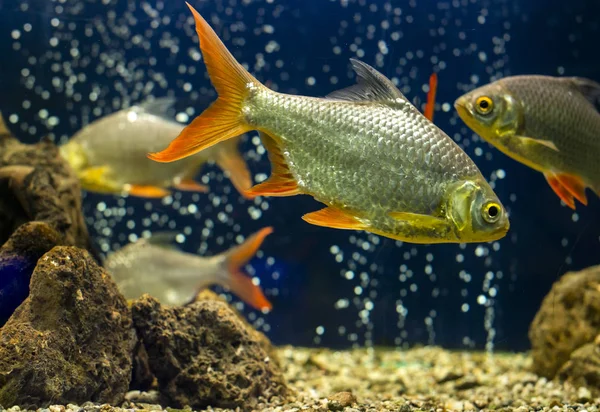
(72, 62)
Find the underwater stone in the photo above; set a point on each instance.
(36, 184)
(583, 368)
(203, 355)
(568, 318)
(71, 340)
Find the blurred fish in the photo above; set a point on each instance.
(156, 267)
(547, 123)
(109, 154)
(365, 151)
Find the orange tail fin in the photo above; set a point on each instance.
(430, 105)
(223, 119)
(240, 284)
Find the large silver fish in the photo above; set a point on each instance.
(109, 154)
(365, 151)
(174, 277)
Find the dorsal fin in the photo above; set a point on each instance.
(163, 239)
(589, 88)
(371, 86)
(158, 107)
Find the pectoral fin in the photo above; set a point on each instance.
(190, 185)
(334, 218)
(97, 179)
(531, 142)
(418, 220)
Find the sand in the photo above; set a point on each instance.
(420, 379)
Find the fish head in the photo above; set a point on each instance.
(74, 154)
(491, 111)
(476, 212)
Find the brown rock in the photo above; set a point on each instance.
(583, 368)
(203, 355)
(340, 400)
(36, 184)
(568, 318)
(71, 340)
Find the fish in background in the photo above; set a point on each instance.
(430, 105)
(366, 152)
(550, 124)
(109, 154)
(155, 266)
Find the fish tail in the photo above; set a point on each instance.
(223, 119)
(240, 284)
(231, 161)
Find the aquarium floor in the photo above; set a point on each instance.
(428, 378)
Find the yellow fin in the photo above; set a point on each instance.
(223, 119)
(281, 182)
(334, 218)
(418, 220)
(535, 142)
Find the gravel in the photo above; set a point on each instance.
(420, 379)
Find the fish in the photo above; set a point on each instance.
(109, 155)
(154, 266)
(550, 124)
(367, 153)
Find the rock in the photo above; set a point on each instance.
(583, 370)
(207, 294)
(142, 378)
(568, 318)
(71, 340)
(340, 400)
(40, 207)
(36, 184)
(203, 355)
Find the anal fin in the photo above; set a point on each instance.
(560, 190)
(230, 160)
(334, 218)
(153, 192)
(281, 182)
(98, 179)
(574, 185)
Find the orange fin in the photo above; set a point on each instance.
(243, 287)
(240, 284)
(190, 185)
(560, 190)
(430, 105)
(574, 185)
(223, 119)
(334, 218)
(230, 160)
(147, 191)
(281, 182)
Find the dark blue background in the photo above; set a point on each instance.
(542, 36)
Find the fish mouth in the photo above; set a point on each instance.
(462, 107)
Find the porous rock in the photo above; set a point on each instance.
(37, 184)
(568, 318)
(583, 367)
(71, 340)
(204, 355)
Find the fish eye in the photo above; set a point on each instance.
(491, 212)
(484, 105)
